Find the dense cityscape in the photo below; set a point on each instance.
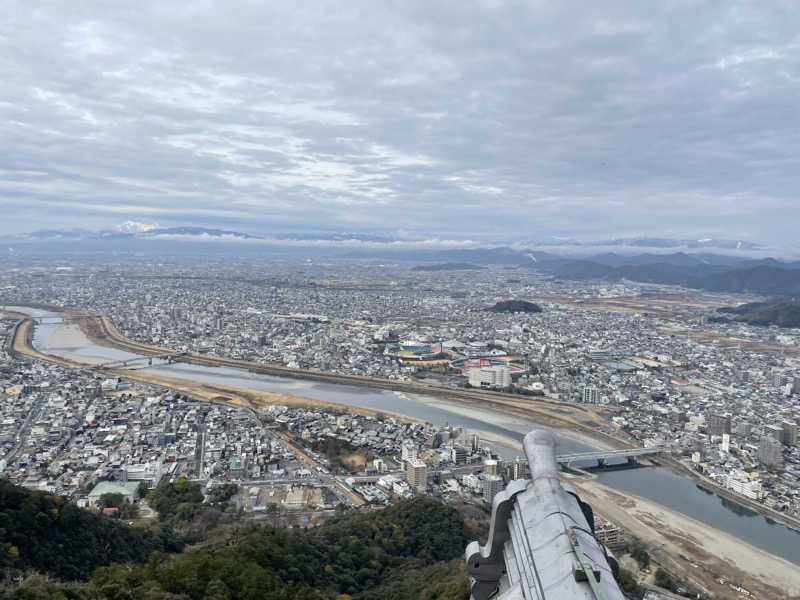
(665, 375)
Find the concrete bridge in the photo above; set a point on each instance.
(603, 456)
(113, 364)
(59, 319)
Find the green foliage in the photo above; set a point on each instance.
(411, 550)
(181, 500)
(142, 490)
(128, 511)
(218, 496)
(111, 500)
(38, 588)
(641, 556)
(627, 582)
(46, 533)
(439, 581)
(664, 580)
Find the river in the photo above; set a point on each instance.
(658, 484)
(425, 408)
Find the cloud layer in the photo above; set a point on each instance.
(487, 120)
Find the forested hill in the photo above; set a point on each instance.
(782, 314)
(45, 533)
(411, 550)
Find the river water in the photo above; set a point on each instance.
(432, 410)
(657, 484)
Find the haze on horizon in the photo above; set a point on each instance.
(485, 120)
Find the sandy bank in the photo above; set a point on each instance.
(508, 421)
(245, 397)
(715, 552)
(68, 337)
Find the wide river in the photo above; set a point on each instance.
(657, 484)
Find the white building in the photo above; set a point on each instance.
(387, 481)
(741, 484)
(402, 489)
(490, 377)
(150, 472)
(472, 482)
(591, 395)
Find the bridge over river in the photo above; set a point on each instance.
(59, 319)
(170, 357)
(602, 456)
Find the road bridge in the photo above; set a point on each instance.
(59, 319)
(602, 456)
(169, 357)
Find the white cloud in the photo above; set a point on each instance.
(471, 119)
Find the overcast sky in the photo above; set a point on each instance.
(457, 119)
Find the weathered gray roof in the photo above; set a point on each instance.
(538, 531)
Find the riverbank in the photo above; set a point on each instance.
(253, 399)
(22, 343)
(585, 421)
(67, 336)
(511, 422)
(671, 535)
(66, 339)
(711, 486)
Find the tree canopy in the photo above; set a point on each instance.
(407, 551)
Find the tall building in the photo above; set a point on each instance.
(789, 433)
(492, 485)
(458, 455)
(491, 467)
(775, 432)
(475, 442)
(770, 452)
(591, 395)
(520, 469)
(719, 424)
(417, 475)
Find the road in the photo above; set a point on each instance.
(333, 482)
(200, 449)
(22, 434)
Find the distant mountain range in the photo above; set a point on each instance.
(649, 242)
(149, 230)
(768, 276)
(733, 271)
(132, 229)
(708, 243)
